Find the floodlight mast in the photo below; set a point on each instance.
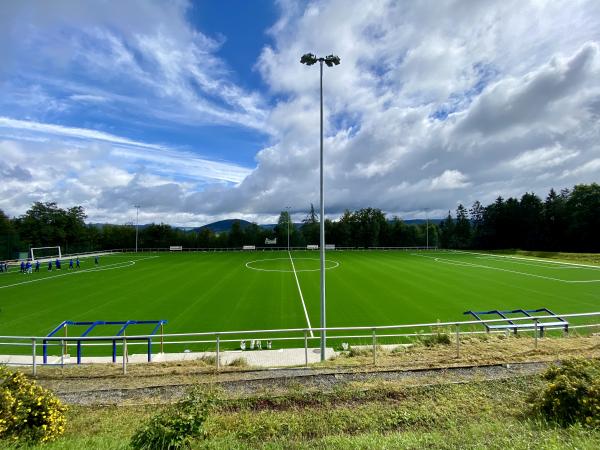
(309, 59)
(137, 221)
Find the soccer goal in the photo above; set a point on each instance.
(42, 253)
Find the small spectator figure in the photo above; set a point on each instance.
(77, 263)
(71, 264)
(22, 266)
(49, 266)
(37, 266)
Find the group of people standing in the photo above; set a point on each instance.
(58, 264)
(30, 267)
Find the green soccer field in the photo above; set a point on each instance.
(221, 291)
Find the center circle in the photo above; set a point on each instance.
(271, 265)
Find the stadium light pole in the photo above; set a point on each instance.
(137, 221)
(288, 225)
(309, 59)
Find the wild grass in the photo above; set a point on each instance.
(490, 414)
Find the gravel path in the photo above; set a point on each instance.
(271, 381)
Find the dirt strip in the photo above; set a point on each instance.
(280, 380)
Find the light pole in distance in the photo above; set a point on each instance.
(137, 221)
(288, 225)
(309, 59)
(427, 229)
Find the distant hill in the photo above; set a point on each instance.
(224, 225)
(421, 221)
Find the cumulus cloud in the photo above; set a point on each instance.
(435, 103)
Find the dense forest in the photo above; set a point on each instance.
(565, 221)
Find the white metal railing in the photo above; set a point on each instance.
(220, 339)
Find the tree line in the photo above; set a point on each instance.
(564, 221)
(46, 224)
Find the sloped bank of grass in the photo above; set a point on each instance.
(481, 414)
(593, 258)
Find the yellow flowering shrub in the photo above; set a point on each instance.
(572, 393)
(28, 412)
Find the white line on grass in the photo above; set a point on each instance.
(118, 265)
(589, 266)
(527, 274)
(301, 296)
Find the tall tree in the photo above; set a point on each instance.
(462, 228)
(584, 217)
(447, 232)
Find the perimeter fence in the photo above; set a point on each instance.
(276, 347)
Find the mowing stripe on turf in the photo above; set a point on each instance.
(301, 296)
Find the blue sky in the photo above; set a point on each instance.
(200, 110)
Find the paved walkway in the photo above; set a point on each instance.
(254, 358)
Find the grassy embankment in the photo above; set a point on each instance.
(490, 414)
(437, 411)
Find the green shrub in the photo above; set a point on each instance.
(572, 393)
(435, 339)
(177, 426)
(359, 351)
(28, 412)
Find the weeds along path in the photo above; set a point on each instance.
(323, 380)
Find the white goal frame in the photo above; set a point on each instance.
(31, 253)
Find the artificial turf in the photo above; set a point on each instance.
(220, 291)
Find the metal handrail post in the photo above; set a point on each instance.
(218, 352)
(536, 333)
(34, 362)
(457, 340)
(306, 348)
(124, 355)
(374, 348)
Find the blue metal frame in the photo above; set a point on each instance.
(92, 325)
(524, 312)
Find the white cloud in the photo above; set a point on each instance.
(434, 103)
(450, 179)
(542, 158)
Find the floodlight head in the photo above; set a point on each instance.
(309, 59)
(332, 60)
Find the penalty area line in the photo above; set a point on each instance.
(301, 296)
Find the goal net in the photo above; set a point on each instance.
(45, 253)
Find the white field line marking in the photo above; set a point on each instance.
(301, 296)
(589, 266)
(119, 265)
(468, 264)
(540, 264)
